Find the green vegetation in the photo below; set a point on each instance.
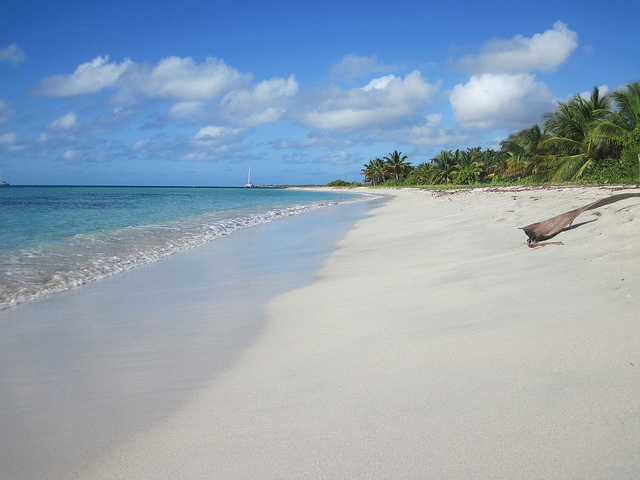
(342, 183)
(584, 140)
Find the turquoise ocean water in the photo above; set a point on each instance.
(56, 238)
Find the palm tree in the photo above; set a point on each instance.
(444, 168)
(375, 172)
(626, 117)
(628, 106)
(397, 164)
(422, 171)
(470, 174)
(624, 121)
(465, 158)
(524, 153)
(570, 128)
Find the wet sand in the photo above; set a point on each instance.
(87, 369)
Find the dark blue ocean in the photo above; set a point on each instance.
(56, 238)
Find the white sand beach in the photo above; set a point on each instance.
(430, 343)
(435, 344)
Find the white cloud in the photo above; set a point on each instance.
(353, 66)
(384, 101)
(339, 158)
(183, 79)
(215, 135)
(432, 133)
(64, 122)
(173, 78)
(266, 102)
(8, 138)
(13, 54)
(319, 140)
(6, 111)
(380, 83)
(71, 156)
(90, 77)
(198, 152)
(543, 52)
(488, 101)
(9, 141)
(185, 109)
(140, 144)
(268, 90)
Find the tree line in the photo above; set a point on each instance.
(584, 140)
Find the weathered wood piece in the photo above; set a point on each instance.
(540, 231)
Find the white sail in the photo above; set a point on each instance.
(249, 184)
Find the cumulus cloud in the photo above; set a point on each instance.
(183, 79)
(488, 101)
(215, 135)
(266, 102)
(90, 77)
(64, 122)
(542, 52)
(9, 141)
(384, 101)
(353, 66)
(173, 78)
(12, 54)
(185, 109)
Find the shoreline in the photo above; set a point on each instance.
(434, 344)
(89, 368)
(56, 260)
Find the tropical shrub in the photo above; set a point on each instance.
(338, 183)
(611, 170)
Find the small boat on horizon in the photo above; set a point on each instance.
(2, 182)
(249, 184)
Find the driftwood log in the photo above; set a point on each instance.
(540, 231)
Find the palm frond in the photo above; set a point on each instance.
(570, 167)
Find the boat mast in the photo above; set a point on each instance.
(249, 184)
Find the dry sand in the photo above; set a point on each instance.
(435, 344)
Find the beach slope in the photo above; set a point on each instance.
(435, 344)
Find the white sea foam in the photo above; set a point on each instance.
(36, 272)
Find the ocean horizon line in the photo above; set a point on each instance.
(154, 186)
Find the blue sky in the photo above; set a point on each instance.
(192, 93)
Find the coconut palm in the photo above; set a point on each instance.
(422, 171)
(524, 153)
(626, 116)
(570, 129)
(375, 172)
(464, 158)
(397, 164)
(628, 106)
(444, 168)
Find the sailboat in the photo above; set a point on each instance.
(2, 182)
(249, 184)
